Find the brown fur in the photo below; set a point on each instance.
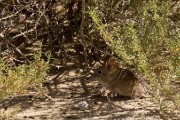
(119, 80)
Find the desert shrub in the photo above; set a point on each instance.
(15, 80)
(145, 37)
(144, 34)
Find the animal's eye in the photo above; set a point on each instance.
(99, 72)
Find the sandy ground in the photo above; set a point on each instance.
(67, 101)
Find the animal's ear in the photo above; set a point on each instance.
(111, 63)
(105, 57)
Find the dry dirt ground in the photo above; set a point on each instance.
(65, 101)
